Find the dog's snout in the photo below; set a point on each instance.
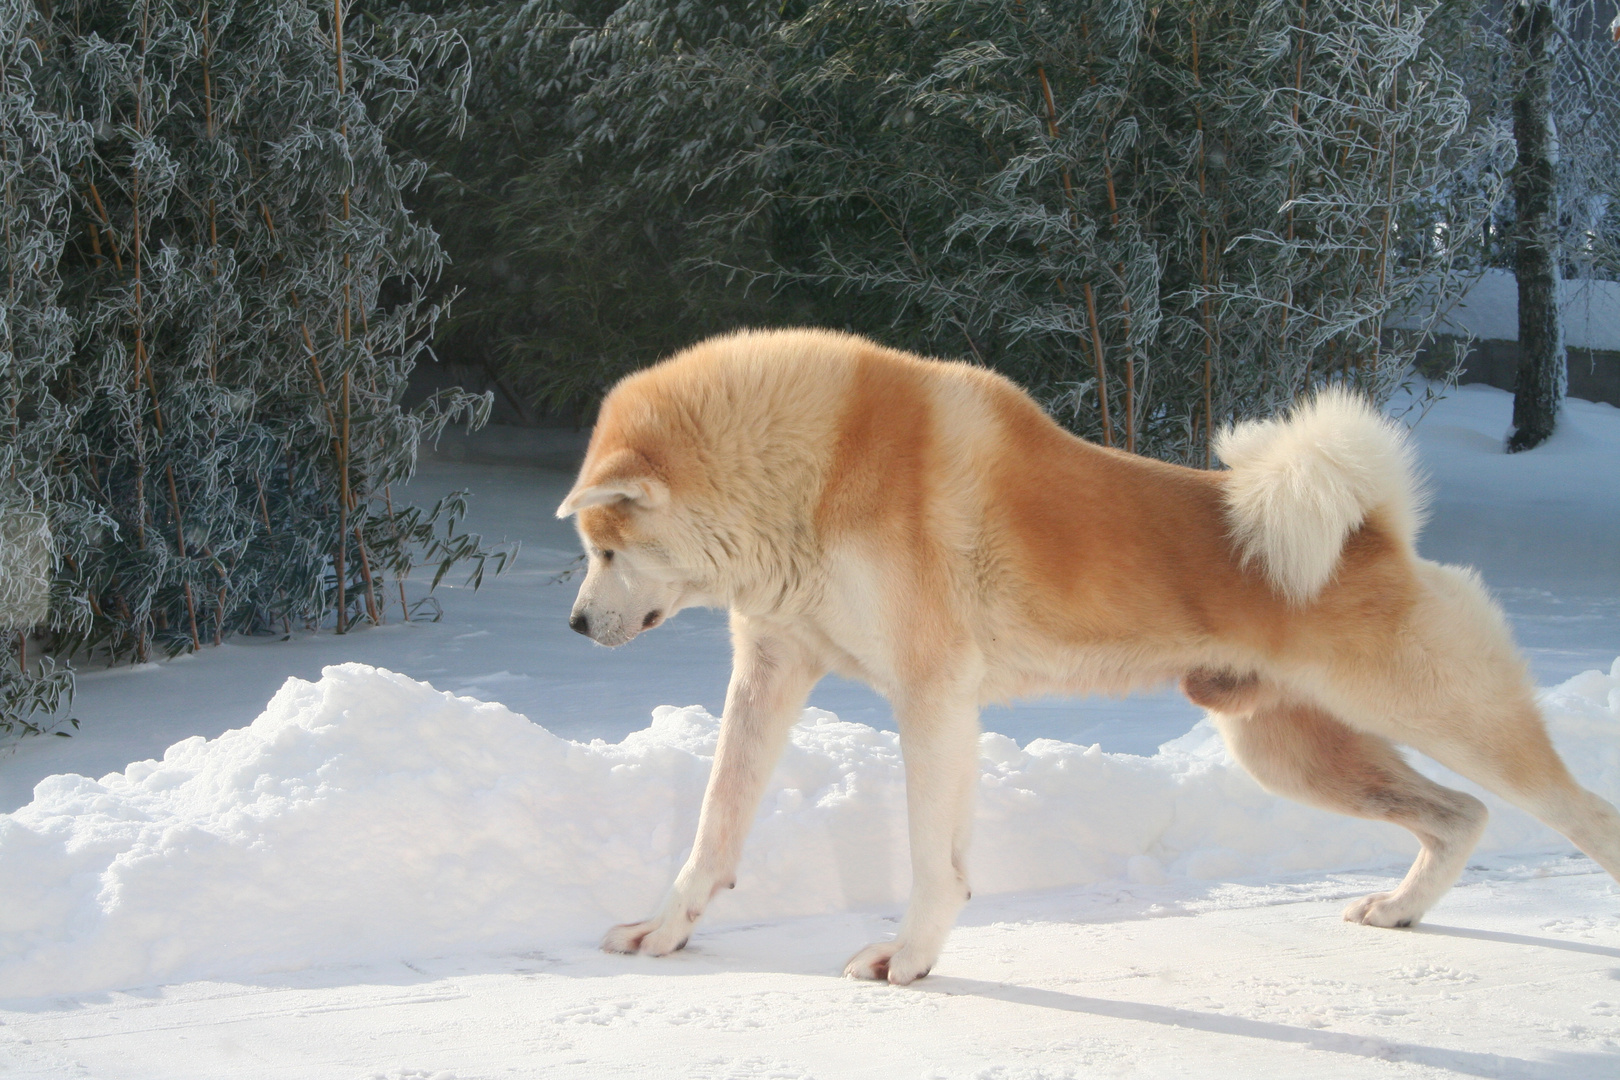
(579, 624)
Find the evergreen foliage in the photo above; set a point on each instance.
(1585, 117)
(1191, 211)
(215, 296)
(37, 146)
(573, 199)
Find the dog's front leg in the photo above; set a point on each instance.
(939, 737)
(770, 679)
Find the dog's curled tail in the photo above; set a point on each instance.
(1300, 485)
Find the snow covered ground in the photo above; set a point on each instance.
(378, 879)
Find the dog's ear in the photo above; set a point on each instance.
(623, 476)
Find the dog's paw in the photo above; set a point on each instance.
(888, 961)
(1389, 910)
(655, 937)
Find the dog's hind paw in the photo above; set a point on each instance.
(1389, 910)
(888, 961)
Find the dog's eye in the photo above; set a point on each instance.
(607, 556)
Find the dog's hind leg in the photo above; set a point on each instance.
(1507, 751)
(939, 736)
(770, 678)
(1466, 700)
(1299, 751)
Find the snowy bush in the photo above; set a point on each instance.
(215, 294)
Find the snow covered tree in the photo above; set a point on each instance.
(1155, 217)
(226, 299)
(571, 196)
(38, 142)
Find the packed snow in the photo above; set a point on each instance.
(383, 875)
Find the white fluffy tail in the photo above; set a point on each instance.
(1300, 485)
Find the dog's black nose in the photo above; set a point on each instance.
(579, 624)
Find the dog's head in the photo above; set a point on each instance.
(638, 572)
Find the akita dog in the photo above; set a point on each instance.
(923, 526)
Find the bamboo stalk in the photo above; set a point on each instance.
(343, 127)
(208, 83)
(1130, 391)
(1389, 201)
(343, 511)
(264, 505)
(337, 38)
(180, 546)
(1293, 166)
(95, 241)
(106, 223)
(135, 210)
(320, 380)
(129, 620)
(343, 448)
(1091, 303)
(208, 124)
(1203, 243)
(1299, 90)
(1097, 353)
(140, 321)
(1125, 306)
(1125, 313)
(388, 497)
(372, 610)
(140, 483)
(191, 613)
(269, 533)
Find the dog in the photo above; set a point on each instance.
(925, 527)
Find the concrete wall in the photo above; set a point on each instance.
(1490, 312)
(1594, 374)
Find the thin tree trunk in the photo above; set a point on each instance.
(343, 513)
(1543, 375)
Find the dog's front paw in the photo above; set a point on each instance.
(889, 961)
(655, 937)
(1389, 910)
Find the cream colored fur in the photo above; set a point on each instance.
(925, 528)
(1301, 484)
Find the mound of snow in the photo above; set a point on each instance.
(370, 817)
